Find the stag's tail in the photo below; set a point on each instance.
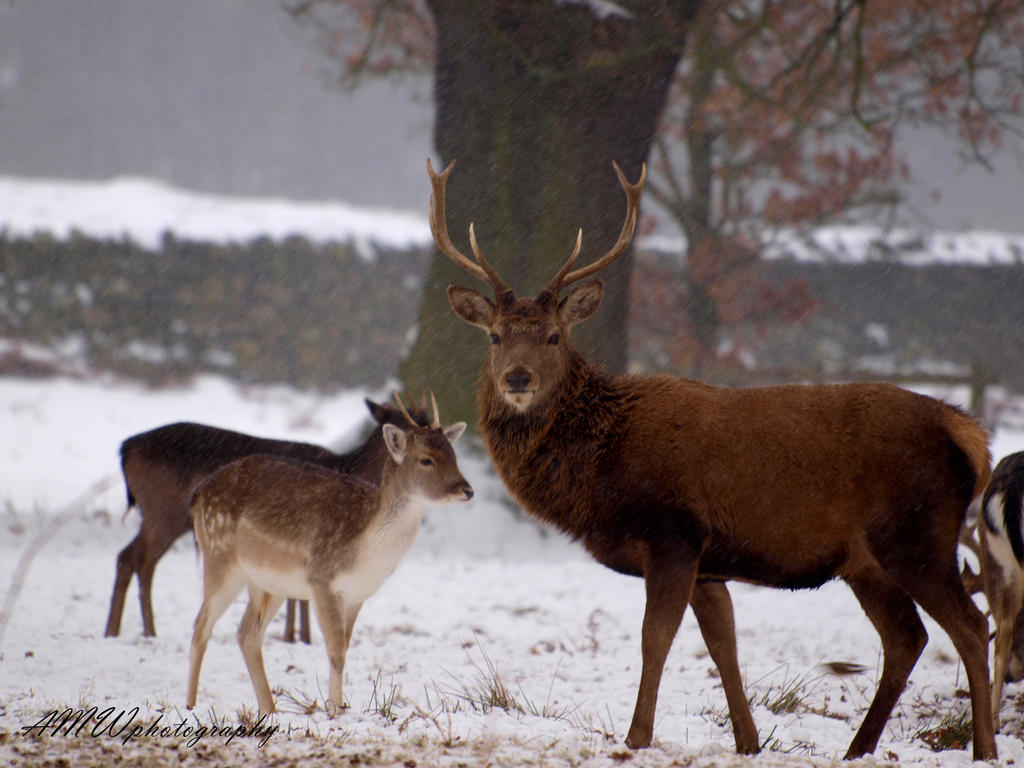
(973, 441)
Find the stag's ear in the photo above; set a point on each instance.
(396, 441)
(454, 432)
(581, 302)
(471, 305)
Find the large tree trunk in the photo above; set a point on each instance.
(535, 100)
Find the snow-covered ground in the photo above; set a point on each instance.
(482, 596)
(479, 593)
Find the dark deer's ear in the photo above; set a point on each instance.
(581, 303)
(377, 411)
(472, 306)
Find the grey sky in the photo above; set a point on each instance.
(223, 97)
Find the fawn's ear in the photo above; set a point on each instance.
(454, 432)
(472, 306)
(396, 441)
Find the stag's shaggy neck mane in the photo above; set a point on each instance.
(547, 455)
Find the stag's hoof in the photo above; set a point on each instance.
(638, 738)
(746, 747)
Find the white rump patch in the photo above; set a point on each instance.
(998, 544)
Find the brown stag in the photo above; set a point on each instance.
(689, 485)
(163, 466)
(287, 528)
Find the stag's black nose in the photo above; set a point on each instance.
(518, 379)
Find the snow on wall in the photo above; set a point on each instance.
(144, 209)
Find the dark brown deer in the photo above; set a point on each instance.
(287, 528)
(162, 467)
(689, 485)
(1002, 564)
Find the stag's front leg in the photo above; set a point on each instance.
(669, 578)
(712, 608)
(330, 614)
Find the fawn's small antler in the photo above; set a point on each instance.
(437, 416)
(401, 407)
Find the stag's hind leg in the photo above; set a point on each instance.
(939, 590)
(903, 637)
(253, 627)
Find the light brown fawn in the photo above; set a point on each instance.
(286, 528)
(163, 466)
(689, 485)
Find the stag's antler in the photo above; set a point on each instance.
(564, 277)
(439, 229)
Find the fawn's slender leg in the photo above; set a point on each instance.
(219, 589)
(251, 630)
(330, 611)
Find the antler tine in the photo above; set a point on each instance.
(633, 193)
(437, 416)
(555, 285)
(492, 276)
(439, 229)
(401, 407)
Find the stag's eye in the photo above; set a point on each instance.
(554, 338)
(426, 462)
(495, 338)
